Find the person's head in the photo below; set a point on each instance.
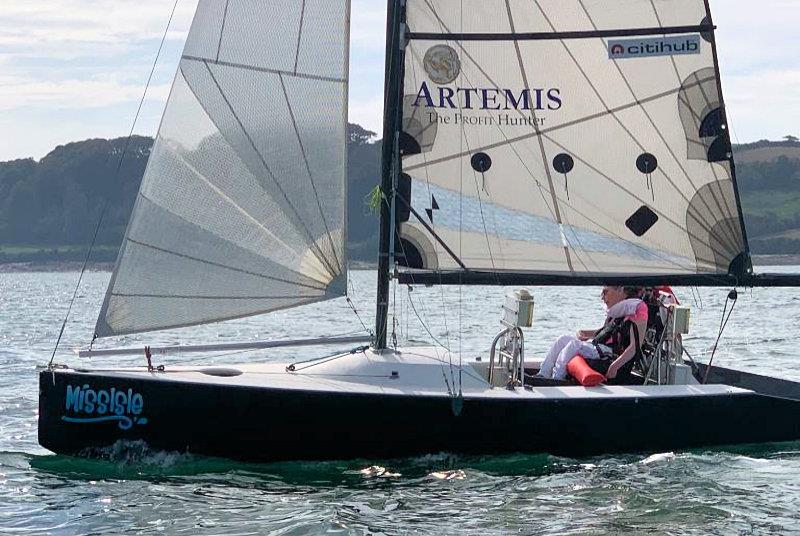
(612, 295)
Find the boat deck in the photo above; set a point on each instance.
(418, 371)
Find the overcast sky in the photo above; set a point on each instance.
(75, 69)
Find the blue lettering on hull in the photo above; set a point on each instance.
(86, 405)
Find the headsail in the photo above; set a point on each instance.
(568, 138)
(242, 208)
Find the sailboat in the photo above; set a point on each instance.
(569, 142)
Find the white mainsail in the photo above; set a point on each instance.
(566, 137)
(242, 208)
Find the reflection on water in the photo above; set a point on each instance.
(736, 490)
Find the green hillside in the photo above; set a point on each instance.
(769, 183)
(49, 208)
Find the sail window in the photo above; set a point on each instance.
(481, 162)
(642, 221)
(563, 163)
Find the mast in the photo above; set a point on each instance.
(389, 162)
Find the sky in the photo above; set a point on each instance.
(76, 69)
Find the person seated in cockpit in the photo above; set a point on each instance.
(611, 350)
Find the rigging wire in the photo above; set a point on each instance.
(424, 325)
(733, 295)
(352, 290)
(116, 177)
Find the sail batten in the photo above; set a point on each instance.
(585, 130)
(242, 207)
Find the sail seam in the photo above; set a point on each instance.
(539, 138)
(233, 203)
(658, 132)
(726, 210)
(232, 268)
(299, 34)
(624, 127)
(430, 230)
(264, 69)
(222, 28)
(507, 142)
(310, 174)
(724, 114)
(540, 188)
(552, 36)
(568, 124)
(232, 317)
(312, 244)
(624, 189)
(425, 159)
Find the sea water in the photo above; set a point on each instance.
(742, 490)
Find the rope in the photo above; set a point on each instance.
(116, 177)
(733, 295)
(322, 360)
(353, 307)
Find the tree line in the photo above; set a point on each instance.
(57, 201)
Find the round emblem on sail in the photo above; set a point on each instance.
(442, 64)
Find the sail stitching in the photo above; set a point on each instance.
(661, 214)
(539, 138)
(562, 126)
(261, 159)
(299, 34)
(558, 127)
(427, 171)
(312, 244)
(726, 210)
(222, 28)
(638, 102)
(480, 68)
(305, 301)
(231, 202)
(480, 201)
(310, 174)
(655, 127)
(245, 67)
(614, 115)
(509, 142)
(227, 267)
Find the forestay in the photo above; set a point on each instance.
(566, 137)
(241, 210)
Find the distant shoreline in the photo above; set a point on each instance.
(74, 266)
(54, 266)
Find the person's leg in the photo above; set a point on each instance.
(584, 349)
(546, 370)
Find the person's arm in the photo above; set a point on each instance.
(587, 334)
(629, 352)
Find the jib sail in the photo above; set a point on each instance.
(241, 209)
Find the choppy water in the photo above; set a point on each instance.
(748, 490)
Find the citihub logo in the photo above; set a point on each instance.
(658, 46)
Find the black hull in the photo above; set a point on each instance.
(261, 424)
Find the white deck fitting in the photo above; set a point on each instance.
(420, 371)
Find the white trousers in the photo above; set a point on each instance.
(565, 348)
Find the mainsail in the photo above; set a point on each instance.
(569, 138)
(242, 208)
